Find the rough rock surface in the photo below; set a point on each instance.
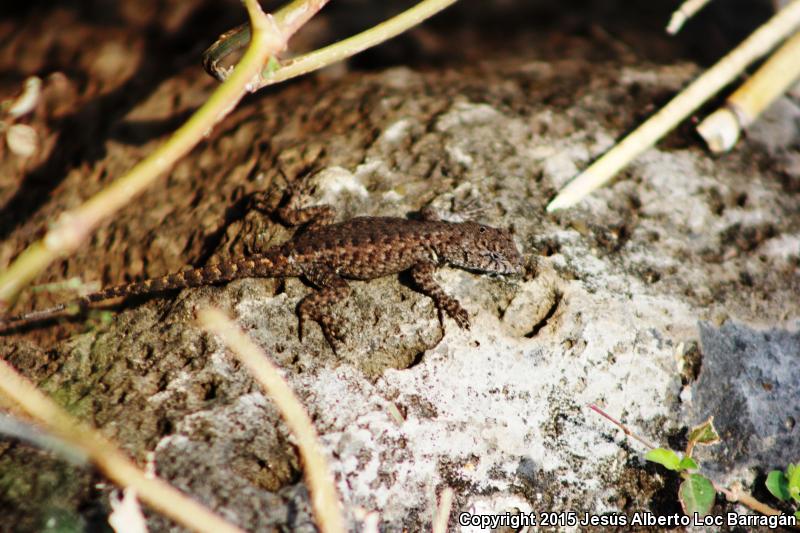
(667, 297)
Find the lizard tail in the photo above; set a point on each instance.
(267, 265)
(14, 322)
(271, 264)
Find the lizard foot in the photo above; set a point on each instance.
(461, 317)
(459, 314)
(330, 331)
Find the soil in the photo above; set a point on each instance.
(651, 297)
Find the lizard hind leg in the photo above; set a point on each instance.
(422, 274)
(316, 306)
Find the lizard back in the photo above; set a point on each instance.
(371, 247)
(368, 247)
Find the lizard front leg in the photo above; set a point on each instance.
(312, 217)
(422, 274)
(316, 306)
(292, 215)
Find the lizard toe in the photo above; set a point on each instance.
(301, 323)
(331, 332)
(461, 317)
(333, 337)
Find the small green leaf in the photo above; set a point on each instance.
(793, 481)
(696, 495)
(687, 463)
(778, 485)
(664, 457)
(705, 433)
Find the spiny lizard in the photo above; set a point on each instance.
(326, 254)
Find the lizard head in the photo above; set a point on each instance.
(483, 249)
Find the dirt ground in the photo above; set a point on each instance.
(685, 257)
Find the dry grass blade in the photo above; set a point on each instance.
(699, 91)
(109, 459)
(324, 499)
(442, 516)
(687, 10)
(721, 129)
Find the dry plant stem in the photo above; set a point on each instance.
(73, 227)
(733, 495)
(13, 427)
(109, 459)
(687, 10)
(328, 55)
(709, 83)
(689, 448)
(324, 499)
(721, 129)
(736, 494)
(26, 102)
(442, 516)
(358, 43)
(621, 426)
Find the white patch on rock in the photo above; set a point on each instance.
(333, 181)
(466, 113)
(396, 132)
(784, 247)
(458, 155)
(486, 403)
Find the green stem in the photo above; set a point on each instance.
(73, 227)
(323, 57)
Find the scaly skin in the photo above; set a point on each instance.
(327, 254)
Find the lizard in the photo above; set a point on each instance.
(326, 254)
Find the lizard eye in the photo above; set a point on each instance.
(482, 229)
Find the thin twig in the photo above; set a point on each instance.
(621, 426)
(687, 10)
(109, 459)
(14, 427)
(709, 83)
(721, 129)
(737, 495)
(297, 66)
(442, 516)
(357, 43)
(324, 499)
(74, 226)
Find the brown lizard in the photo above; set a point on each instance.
(326, 254)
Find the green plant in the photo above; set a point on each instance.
(786, 485)
(696, 493)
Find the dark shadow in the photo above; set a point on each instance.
(139, 132)
(233, 214)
